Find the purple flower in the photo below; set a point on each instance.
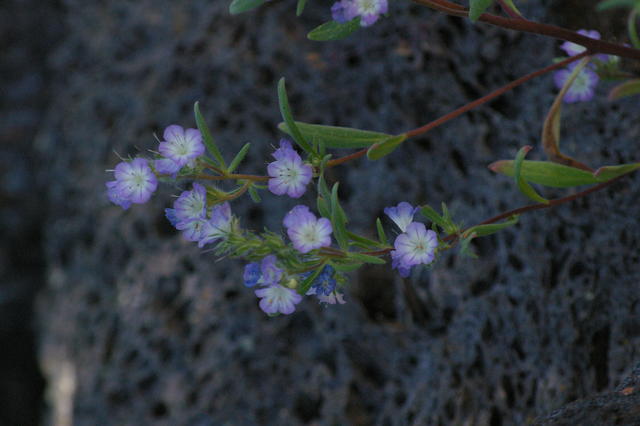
(181, 145)
(306, 231)
(416, 246)
(218, 226)
(170, 214)
(278, 299)
(166, 166)
(583, 87)
(192, 204)
(271, 274)
(193, 229)
(324, 284)
(338, 11)
(289, 175)
(368, 10)
(402, 215)
(251, 274)
(135, 182)
(115, 197)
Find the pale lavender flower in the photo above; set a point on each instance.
(192, 229)
(583, 87)
(181, 145)
(191, 204)
(218, 226)
(170, 214)
(368, 10)
(289, 175)
(166, 166)
(251, 274)
(306, 231)
(402, 214)
(115, 197)
(135, 181)
(414, 247)
(278, 299)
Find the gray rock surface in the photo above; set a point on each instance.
(138, 326)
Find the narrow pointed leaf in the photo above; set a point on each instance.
(465, 246)
(366, 258)
(428, 212)
(323, 207)
(616, 3)
(362, 241)
(546, 173)
(285, 111)
(484, 230)
(609, 172)
(381, 234)
(300, 7)
(628, 88)
(551, 127)
(253, 193)
(523, 185)
(241, 6)
(239, 157)
(209, 143)
(386, 147)
(477, 8)
(346, 267)
(333, 30)
(336, 137)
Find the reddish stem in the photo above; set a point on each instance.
(509, 11)
(524, 25)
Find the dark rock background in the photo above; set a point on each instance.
(136, 326)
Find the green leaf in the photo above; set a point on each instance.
(477, 8)
(484, 230)
(465, 248)
(523, 185)
(628, 88)
(333, 30)
(386, 147)
(546, 173)
(609, 172)
(323, 207)
(241, 6)
(366, 258)
(300, 7)
(346, 267)
(338, 219)
(608, 4)
(337, 137)
(381, 235)
(253, 193)
(323, 189)
(285, 110)
(206, 136)
(362, 241)
(306, 283)
(239, 157)
(512, 6)
(428, 212)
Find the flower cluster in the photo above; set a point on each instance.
(189, 215)
(288, 174)
(415, 245)
(324, 287)
(135, 181)
(368, 10)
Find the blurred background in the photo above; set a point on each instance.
(109, 317)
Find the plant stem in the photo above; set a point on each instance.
(453, 114)
(509, 11)
(595, 46)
